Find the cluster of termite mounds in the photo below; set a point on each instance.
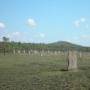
(72, 56)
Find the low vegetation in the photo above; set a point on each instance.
(47, 72)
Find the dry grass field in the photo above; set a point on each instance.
(48, 72)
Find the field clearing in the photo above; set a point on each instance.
(48, 72)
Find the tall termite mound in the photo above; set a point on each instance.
(72, 60)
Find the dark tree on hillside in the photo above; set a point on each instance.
(5, 42)
(5, 39)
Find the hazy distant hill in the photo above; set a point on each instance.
(65, 45)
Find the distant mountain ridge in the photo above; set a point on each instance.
(65, 45)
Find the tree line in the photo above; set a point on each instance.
(9, 46)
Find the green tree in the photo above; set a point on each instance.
(5, 39)
(5, 44)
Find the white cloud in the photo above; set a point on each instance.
(77, 23)
(80, 22)
(2, 25)
(85, 37)
(14, 35)
(74, 40)
(0, 38)
(81, 38)
(42, 35)
(83, 19)
(87, 26)
(68, 40)
(31, 22)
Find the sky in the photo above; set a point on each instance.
(45, 21)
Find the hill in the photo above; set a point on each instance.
(63, 45)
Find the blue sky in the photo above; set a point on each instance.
(46, 20)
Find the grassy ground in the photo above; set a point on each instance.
(35, 72)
